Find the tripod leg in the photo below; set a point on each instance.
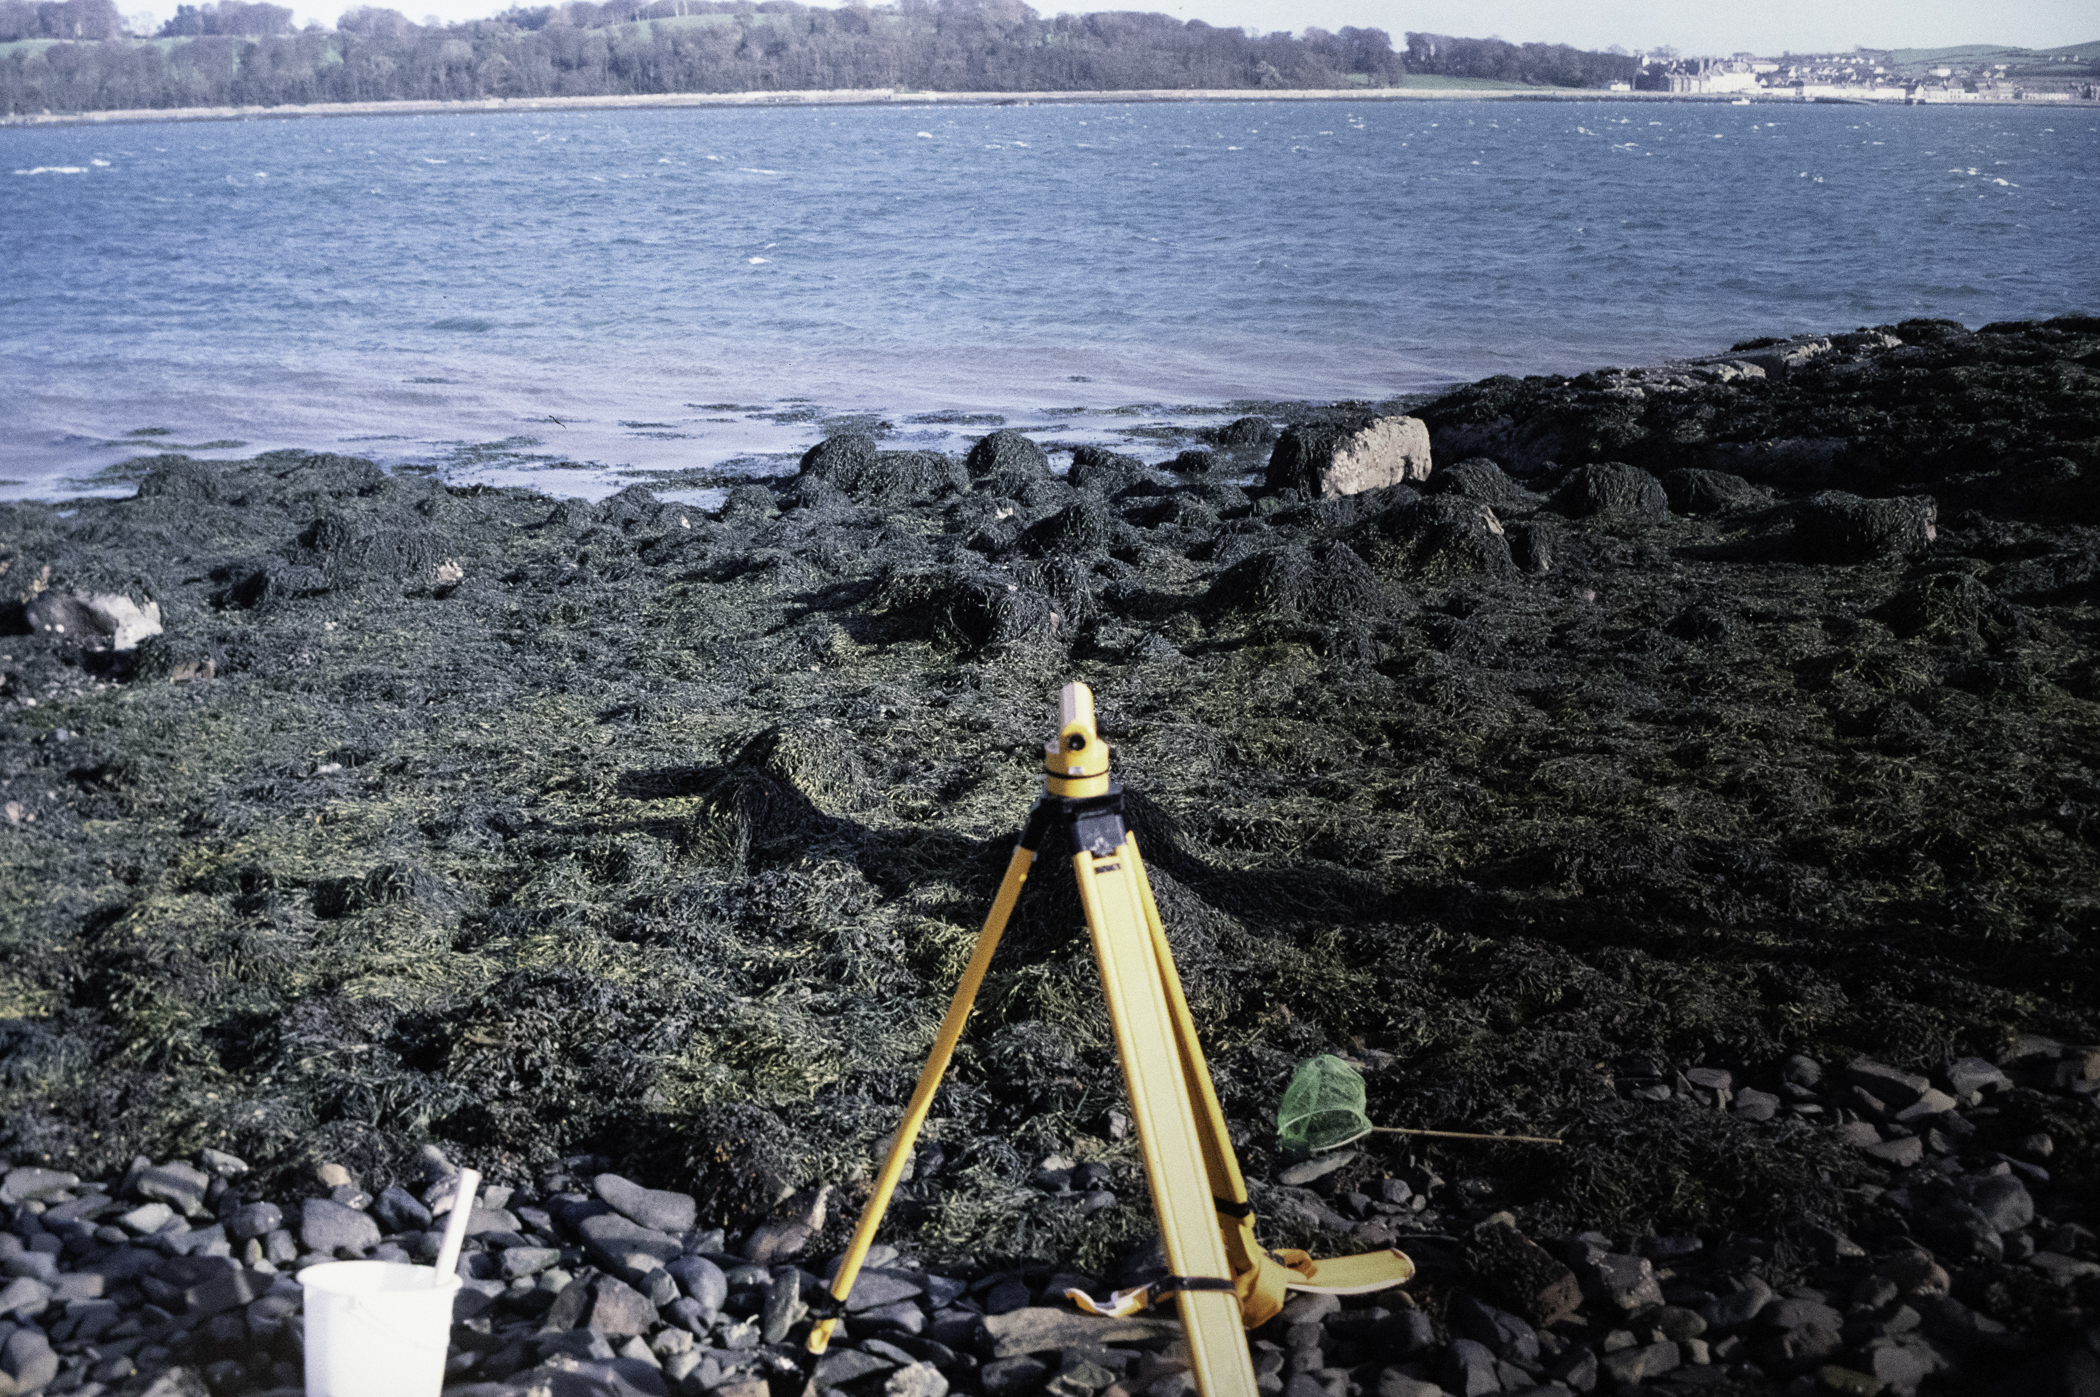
(1221, 1164)
(930, 1076)
(1156, 1074)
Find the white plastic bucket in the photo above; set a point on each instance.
(376, 1329)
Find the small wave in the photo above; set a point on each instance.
(55, 170)
(754, 170)
(464, 324)
(100, 164)
(758, 261)
(428, 161)
(926, 135)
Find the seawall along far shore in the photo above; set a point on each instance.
(867, 97)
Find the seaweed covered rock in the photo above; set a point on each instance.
(1613, 490)
(1244, 431)
(1004, 462)
(1110, 472)
(1481, 480)
(351, 553)
(1699, 492)
(1324, 585)
(851, 464)
(179, 481)
(969, 609)
(1953, 607)
(1324, 461)
(1084, 527)
(1436, 537)
(785, 794)
(1833, 527)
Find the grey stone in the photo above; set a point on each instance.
(328, 1227)
(31, 1265)
(398, 1210)
(841, 1366)
(226, 1166)
(1711, 1078)
(1576, 1367)
(226, 1290)
(657, 1209)
(618, 1309)
(902, 1315)
(620, 1245)
(254, 1220)
(1318, 1167)
(177, 1382)
(2063, 1270)
(1508, 1336)
(1802, 1071)
(1901, 1152)
(1677, 1324)
(147, 1219)
(874, 1287)
(2001, 1199)
(1754, 1105)
(1891, 1085)
(703, 1281)
(21, 1185)
(526, 1261)
(28, 1359)
(1975, 1074)
(1310, 1307)
(1931, 1102)
(1802, 1347)
(1411, 1332)
(1738, 1308)
(783, 1305)
(918, 1380)
(23, 1298)
(1038, 1329)
(176, 1184)
(1394, 1383)
(1469, 1369)
(1636, 1365)
(1790, 1313)
(1625, 1282)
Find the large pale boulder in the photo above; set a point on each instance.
(110, 614)
(1328, 463)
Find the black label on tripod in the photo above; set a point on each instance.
(1097, 832)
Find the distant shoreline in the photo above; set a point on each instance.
(887, 97)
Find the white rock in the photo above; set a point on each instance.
(123, 620)
(1388, 451)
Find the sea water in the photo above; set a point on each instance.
(581, 299)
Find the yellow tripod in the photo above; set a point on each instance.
(1222, 1279)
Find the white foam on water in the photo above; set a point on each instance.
(55, 170)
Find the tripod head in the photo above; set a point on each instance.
(1076, 760)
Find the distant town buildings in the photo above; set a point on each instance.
(1978, 75)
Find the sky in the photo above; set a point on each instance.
(1771, 26)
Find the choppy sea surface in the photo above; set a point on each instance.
(580, 300)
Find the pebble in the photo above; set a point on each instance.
(1664, 1311)
(328, 1227)
(656, 1209)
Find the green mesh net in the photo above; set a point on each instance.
(1323, 1107)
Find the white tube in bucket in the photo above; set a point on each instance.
(376, 1329)
(456, 1224)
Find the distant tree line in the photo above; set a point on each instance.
(64, 19)
(234, 53)
(228, 17)
(1551, 65)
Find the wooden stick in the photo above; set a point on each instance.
(1462, 1135)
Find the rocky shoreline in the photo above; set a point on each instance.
(1696, 763)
